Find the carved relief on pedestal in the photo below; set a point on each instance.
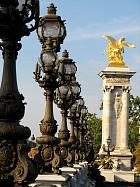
(117, 80)
(118, 104)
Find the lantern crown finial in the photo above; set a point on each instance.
(51, 9)
(65, 54)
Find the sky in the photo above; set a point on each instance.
(86, 22)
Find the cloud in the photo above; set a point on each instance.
(122, 25)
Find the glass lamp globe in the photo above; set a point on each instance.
(63, 91)
(48, 60)
(51, 26)
(76, 89)
(108, 141)
(77, 114)
(73, 108)
(83, 111)
(67, 67)
(80, 101)
(48, 57)
(73, 111)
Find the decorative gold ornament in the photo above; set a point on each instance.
(115, 49)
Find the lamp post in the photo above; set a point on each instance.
(16, 169)
(108, 141)
(83, 131)
(72, 139)
(65, 96)
(80, 103)
(108, 149)
(51, 33)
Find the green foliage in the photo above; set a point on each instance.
(95, 131)
(134, 108)
(133, 135)
(137, 157)
(134, 120)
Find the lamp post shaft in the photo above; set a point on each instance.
(49, 116)
(72, 133)
(16, 168)
(9, 82)
(48, 153)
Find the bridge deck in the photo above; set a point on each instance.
(121, 184)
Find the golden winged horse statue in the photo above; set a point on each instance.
(115, 49)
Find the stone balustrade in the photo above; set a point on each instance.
(76, 176)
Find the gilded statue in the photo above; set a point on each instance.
(115, 49)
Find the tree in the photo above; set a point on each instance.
(134, 121)
(95, 131)
(137, 157)
(134, 108)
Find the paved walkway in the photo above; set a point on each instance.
(121, 184)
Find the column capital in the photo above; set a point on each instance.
(108, 88)
(126, 89)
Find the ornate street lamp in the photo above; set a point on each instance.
(51, 36)
(108, 149)
(72, 117)
(108, 141)
(15, 166)
(52, 26)
(80, 103)
(83, 131)
(74, 136)
(65, 95)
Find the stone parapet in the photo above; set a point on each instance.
(76, 176)
(118, 176)
(52, 180)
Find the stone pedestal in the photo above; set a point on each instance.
(118, 176)
(81, 174)
(84, 171)
(73, 173)
(52, 180)
(108, 174)
(116, 87)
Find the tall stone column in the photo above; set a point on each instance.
(106, 119)
(124, 117)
